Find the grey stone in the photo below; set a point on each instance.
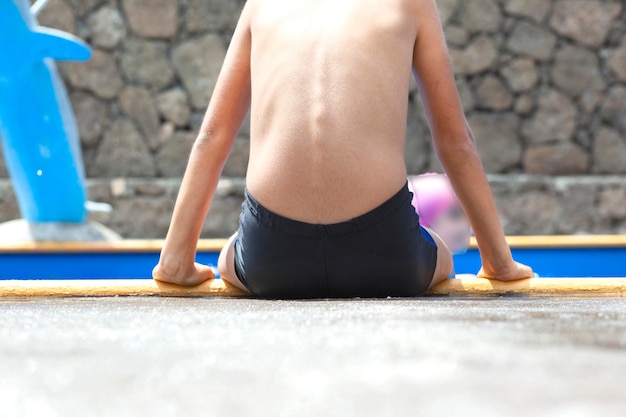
(20, 231)
(212, 15)
(589, 100)
(573, 215)
(524, 105)
(531, 40)
(223, 217)
(237, 163)
(499, 146)
(612, 203)
(492, 94)
(477, 57)
(107, 27)
(99, 75)
(613, 110)
(531, 213)
(586, 21)
(576, 70)
(465, 92)
(146, 62)
(172, 158)
(122, 153)
(534, 9)
(3, 167)
(609, 152)
(554, 120)
(92, 117)
(58, 15)
(558, 159)
(456, 35)
(617, 62)
(84, 7)
(151, 216)
(199, 71)
(447, 9)
(521, 74)
(173, 106)
(137, 103)
(9, 209)
(481, 15)
(152, 18)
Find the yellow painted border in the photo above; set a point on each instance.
(139, 246)
(590, 287)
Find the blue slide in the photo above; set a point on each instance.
(39, 134)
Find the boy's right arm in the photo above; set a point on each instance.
(456, 147)
(228, 106)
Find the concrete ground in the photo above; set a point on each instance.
(217, 357)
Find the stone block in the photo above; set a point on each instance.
(198, 62)
(107, 27)
(612, 203)
(146, 62)
(533, 9)
(152, 18)
(613, 110)
(99, 75)
(447, 9)
(480, 15)
(609, 152)
(532, 40)
(479, 56)
(137, 103)
(122, 153)
(496, 136)
(576, 70)
(237, 163)
(586, 21)
(554, 120)
(491, 94)
(92, 117)
(557, 159)
(58, 14)
(174, 107)
(617, 62)
(521, 74)
(173, 156)
(212, 15)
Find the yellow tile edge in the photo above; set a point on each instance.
(614, 287)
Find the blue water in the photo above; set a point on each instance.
(554, 262)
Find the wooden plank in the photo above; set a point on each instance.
(123, 246)
(535, 286)
(567, 241)
(114, 287)
(612, 287)
(215, 245)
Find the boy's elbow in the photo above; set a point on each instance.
(454, 144)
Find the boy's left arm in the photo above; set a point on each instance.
(227, 109)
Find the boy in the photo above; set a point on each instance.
(327, 211)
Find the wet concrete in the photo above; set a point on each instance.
(215, 357)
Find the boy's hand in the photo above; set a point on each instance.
(516, 272)
(195, 275)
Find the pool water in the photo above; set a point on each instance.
(572, 262)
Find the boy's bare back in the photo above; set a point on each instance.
(330, 81)
(326, 82)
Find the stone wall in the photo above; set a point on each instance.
(543, 84)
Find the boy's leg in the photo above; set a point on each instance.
(226, 264)
(444, 260)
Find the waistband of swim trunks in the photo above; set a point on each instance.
(295, 227)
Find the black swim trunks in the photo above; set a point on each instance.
(379, 254)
